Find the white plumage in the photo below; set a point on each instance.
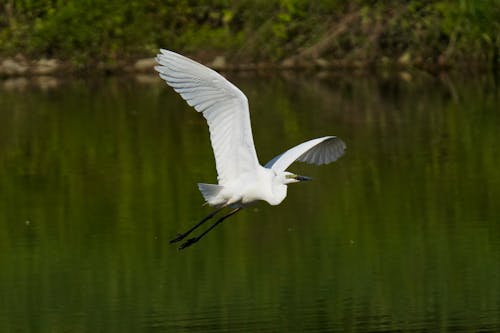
(223, 105)
(241, 179)
(316, 151)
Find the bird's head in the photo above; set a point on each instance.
(289, 178)
(279, 186)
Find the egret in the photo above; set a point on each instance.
(241, 179)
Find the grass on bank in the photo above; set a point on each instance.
(418, 32)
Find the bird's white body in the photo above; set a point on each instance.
(261, 184)
(241, 179)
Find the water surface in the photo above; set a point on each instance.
(401, 234)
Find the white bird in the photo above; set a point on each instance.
(241, 179)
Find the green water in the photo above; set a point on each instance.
(401, 234)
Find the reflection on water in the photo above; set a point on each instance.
(402, 233)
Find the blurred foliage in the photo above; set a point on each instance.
(419, 31)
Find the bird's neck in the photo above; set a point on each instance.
(278, 194)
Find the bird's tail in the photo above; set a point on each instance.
(210, 192)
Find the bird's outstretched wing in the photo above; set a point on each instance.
(316, 151)
(223, 105)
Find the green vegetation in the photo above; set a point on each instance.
(418, 32)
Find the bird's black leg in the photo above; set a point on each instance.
(193, 240)
(184, 234)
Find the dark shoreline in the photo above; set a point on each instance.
(20, 66)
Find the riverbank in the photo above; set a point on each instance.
(20, 66)
(110, 36)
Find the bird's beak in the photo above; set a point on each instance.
(303, 178)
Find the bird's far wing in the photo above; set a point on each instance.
(223, 105)
(316, 151)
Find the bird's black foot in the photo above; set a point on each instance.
(189, 242)
(178, 238)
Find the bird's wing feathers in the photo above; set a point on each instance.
(317, 151)
(223, 105)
